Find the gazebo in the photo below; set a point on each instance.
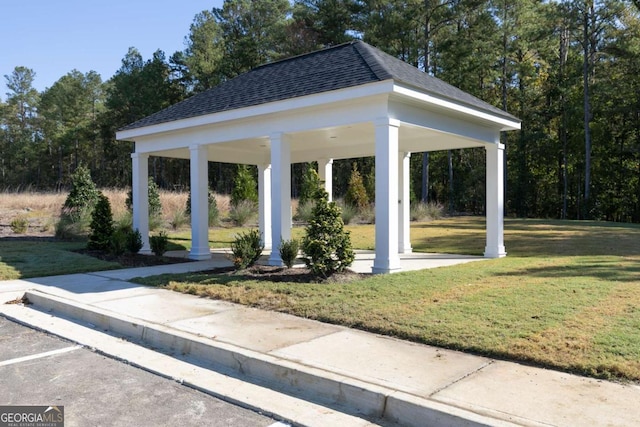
(347, 101)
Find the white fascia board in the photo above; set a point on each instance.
(504, 123)
(292, 104)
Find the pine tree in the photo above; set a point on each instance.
(155, 205)
(309, 185)
(214, 213)
(356, 193)
(244, 186)
(101, 225)
(326, 245)
(83, 195)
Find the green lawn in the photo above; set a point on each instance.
(24, 259)
(567, 296)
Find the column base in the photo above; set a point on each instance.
(145, 251)
(386, 266)
(275, 260)
(408, 250)
(498, 252)
(200, 255)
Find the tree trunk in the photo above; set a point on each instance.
(587, 109)
(450, 160)
(425, 177)
(564, 51)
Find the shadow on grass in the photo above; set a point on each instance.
(540, 244)
(603, 270)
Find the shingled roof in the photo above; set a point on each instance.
(347, 65)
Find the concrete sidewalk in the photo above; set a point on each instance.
(303, 371)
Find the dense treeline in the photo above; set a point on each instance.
(569, 69)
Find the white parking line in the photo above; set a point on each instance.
(280, 424)
(39, 355)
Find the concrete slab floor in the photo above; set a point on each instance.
(412, 368)
(549, 397)
(82, 283)
(162, 306)
(268, 331)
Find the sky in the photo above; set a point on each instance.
(53, 37)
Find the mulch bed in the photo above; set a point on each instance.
(283, 274)
(133, 260)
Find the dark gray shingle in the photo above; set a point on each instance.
(346, 65)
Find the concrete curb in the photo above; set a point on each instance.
(339, 392)
(291, 410)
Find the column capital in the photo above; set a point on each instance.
(496, 146)
(139, 155)
(386, 121)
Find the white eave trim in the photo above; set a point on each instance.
(505, 124)
(309, 101)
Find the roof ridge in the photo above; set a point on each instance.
(307, 54)
(377, 68)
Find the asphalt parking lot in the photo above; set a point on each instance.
(40, 369)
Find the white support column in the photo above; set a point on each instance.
(386, 139)
(280, 194)
(495, 201)
(140, 196)
(404, 215)
(325, 173)
(199, 203)
(264, 204)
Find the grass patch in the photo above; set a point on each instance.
(567, 296)
(24, 259)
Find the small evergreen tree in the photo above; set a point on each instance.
(155, 206)
(83, 194)
(101, 225)
(326, 245)
(309, 185)
(159, 243)
(246, 249)
(244, 186)
(214, 213)
(356, 193)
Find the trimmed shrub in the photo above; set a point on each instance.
(159, 243)
(289, 251)
(118, 242)
(244, 186)
(326, 245)
(243, 212)
(134, 241)
(19, 225)
(246, 249)
(101, 225)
